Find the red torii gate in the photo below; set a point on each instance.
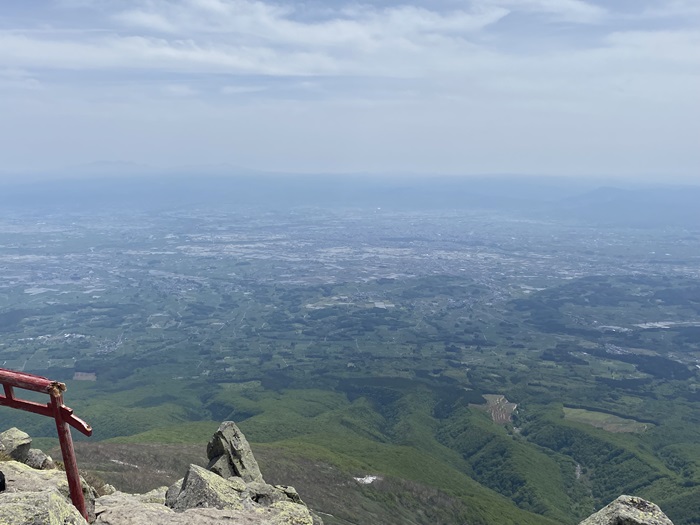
(56, 409)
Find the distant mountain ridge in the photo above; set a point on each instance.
(528, 197)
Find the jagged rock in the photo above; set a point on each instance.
(38, 460)
(267, 495)
(230, 455)
(38, 496)
(628, 510)
(202, 497)
(202, 488)
(173, 492)
(291, 493)
(16, 444)
(136, 509)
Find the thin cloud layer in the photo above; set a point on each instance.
(537, 86)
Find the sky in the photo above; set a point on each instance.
(463, 87)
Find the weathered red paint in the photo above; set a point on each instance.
(56, 409)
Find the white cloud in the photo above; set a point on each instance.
(358, 86)
(250, 21)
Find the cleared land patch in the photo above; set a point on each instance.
(605, 421)
(500, 409)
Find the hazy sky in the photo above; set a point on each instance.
(442, 86)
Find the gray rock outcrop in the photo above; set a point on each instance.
(37, 496)
(231, 489)
(628, 510)
(230, 456)
(15, 444)
(34, 496)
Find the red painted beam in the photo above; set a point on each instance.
(46, 410)
(30, 381)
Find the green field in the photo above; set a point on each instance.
(607, 422)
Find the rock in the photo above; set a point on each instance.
(120, 508)
(16, 444)
(230, 455)
(291, 493)
(173, 492)
(202, 497)
(22, 478)
(32, 508)
(135, 513)
(38, 496)
(135, 509)
(267, 495)
(202, 488)
(38, 460)
(154, 496)
(628, 510)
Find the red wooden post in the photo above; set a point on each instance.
(55, 409)
(69, 461)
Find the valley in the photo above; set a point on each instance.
(367, 342)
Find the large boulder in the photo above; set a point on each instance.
(37, 496)
(230, 455)
(628, 510)
(32, 508)
(15, 444)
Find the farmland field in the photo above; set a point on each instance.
(607, 422)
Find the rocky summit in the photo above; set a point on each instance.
(230, 490)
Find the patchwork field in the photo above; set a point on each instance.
(607, 422)
(405, 347)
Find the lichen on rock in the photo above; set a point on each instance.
(36, 496)
(230, 455)
(628, 510)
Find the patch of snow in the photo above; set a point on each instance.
(124, 463)
(367, 480)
